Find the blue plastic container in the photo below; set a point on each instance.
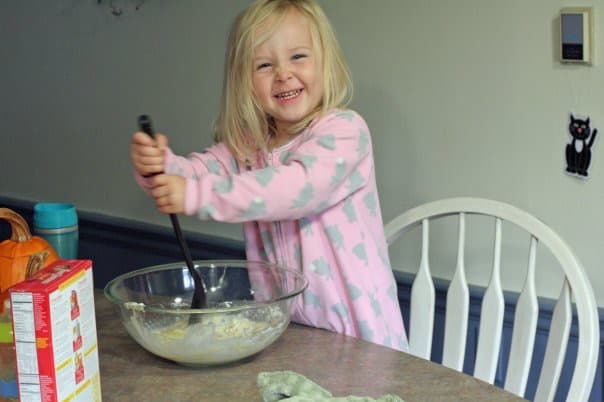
(57, 223)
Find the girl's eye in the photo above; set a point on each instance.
(263, 66)
(298, 56)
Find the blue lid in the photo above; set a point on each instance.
(9, 389)
(50, 215)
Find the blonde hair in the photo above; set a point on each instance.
(242, 124)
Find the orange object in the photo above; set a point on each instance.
(23, 254)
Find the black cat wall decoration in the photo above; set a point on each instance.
(578, 152)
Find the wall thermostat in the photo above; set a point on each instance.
(576, 35)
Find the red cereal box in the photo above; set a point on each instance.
(54, 328)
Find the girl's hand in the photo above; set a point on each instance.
(147, 154)
(168, 191)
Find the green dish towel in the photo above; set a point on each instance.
(293, 387)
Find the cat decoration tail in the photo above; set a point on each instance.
(578, 151)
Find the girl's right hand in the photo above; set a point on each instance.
(148, 153)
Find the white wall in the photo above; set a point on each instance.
(463, 98)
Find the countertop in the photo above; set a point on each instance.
(343, 365)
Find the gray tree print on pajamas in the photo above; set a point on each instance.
(360, 252)
(224, 186)
(349, 210)
(366, 331)
(371, 203)
(308, 161)
(311, 299)
(306, 226)
(327, 141)
(321, 267)
(256, 209)
(206, 212)
(335, 236)
(340, 171)
(304, 197)
(355, 181)
(363, 147)
(265, 176)
(283, 157)
(354, 292)
(375, 305)
(213, 166)
(341, 310)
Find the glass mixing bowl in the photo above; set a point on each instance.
(248, 308)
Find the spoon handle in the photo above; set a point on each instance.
(199, 296)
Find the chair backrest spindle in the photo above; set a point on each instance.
(423, 298)
(524, 329)
(458, 294)
(556, 346)
(491, 318)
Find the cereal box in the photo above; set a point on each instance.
(55, 334)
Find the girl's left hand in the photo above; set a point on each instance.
(168, 191)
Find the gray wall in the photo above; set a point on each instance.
(463, 99)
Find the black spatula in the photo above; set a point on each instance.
(199, 295)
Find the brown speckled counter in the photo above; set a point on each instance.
(341, 364)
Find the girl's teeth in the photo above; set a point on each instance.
(289, 95)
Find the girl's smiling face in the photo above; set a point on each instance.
(287, 76)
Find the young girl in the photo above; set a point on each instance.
(294, 166)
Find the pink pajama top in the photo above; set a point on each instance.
(311, 205)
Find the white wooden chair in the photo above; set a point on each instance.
(575, 284)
